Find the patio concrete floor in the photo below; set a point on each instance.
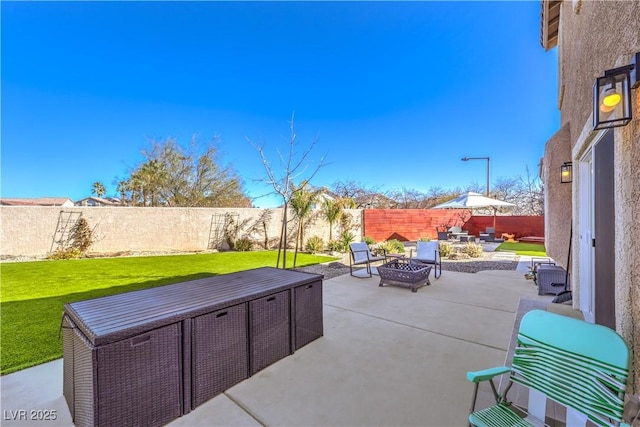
(388, 357)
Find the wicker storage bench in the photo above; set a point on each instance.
(147, 357)
(126, 371)
(401, 272)
(270, 328)
(217, 367)
(308, 313)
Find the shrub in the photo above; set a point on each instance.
(80, 240)
(446, 249)
(368, 240)
(458, 255)
(81, 235)
(334, 246)
(315, 244)
(69, 253)
(243, 244)
(424, 239)
(346, 238)
(474, 250)
(392, 246)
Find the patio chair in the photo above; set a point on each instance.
(488, 235)
(428, 253)
(443, 235)
(457, 232)
(579, 365)
(361, 255)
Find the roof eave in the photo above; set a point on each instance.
(549, 23)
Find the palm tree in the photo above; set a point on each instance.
(301, 203)
(146, 182)
(332, 210)
(98, 189)
(153, 175)
(123, 188)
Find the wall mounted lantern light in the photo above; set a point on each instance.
(566, 173)
(612, 95)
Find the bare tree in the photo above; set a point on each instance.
(407, 198)
(362, 196)
(293, 168)
(526, 193)
(533, 198)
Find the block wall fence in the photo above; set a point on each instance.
(30, 230)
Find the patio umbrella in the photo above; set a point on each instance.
(473, 200)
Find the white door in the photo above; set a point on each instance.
(586, 235)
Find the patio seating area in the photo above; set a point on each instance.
(387, 357)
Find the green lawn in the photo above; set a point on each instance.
(532, 249)
(33, 293)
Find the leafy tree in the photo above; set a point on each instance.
(98, 189)
(173, 175)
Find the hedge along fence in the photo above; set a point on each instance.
(31, 230)
(413, 224)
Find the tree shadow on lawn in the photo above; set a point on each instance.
(30, 328)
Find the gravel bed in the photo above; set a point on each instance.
(471, 265)
(330, 270)
(478, 265)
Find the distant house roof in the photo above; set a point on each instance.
(64, 202)
(98, 201)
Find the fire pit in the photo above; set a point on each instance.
(402, 272)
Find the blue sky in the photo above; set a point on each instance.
(396, 93)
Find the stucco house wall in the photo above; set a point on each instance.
(627, 250)
(595, 36)
(557, 220)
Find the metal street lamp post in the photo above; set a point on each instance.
(488, 159)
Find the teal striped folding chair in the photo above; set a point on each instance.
(577, 364)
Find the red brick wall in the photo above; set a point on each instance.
(412, 224)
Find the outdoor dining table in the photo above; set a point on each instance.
(147, 357)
